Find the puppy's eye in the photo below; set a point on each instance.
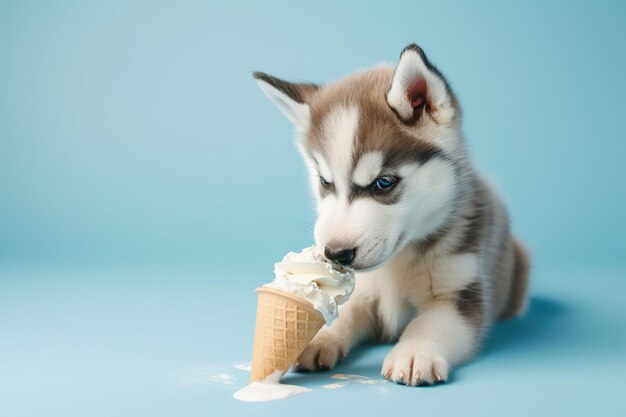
(384, 183)
(323, 181)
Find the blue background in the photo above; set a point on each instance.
(147, 186)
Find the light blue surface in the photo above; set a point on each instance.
(147, 187)
(128, 343)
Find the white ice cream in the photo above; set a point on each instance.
(310, 275)
(269, 389)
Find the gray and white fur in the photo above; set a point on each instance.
(398, 199)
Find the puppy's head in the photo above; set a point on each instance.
(379, 146)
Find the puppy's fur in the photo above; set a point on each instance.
(436, 263)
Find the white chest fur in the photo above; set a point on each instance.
(405, 284)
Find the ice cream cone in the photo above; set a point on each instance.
(285, 325)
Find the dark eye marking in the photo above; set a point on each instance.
(382, 189)
(326, 187)
(383, 183)
(419, 151)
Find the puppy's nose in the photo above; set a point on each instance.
(341, 256)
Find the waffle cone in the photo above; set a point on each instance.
(285, 325)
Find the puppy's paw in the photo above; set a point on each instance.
(322, 353)
(410, 363)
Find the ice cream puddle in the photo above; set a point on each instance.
(269, 389)
(357, 378)
(291, 309)
(335, 385)
(243, 366)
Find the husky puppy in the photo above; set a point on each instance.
(399, 200)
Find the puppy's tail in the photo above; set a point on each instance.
(518, 295)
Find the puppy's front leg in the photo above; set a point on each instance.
(438, 338)
(355, 322)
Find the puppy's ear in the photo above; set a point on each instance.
(291, 98)
(419, 88)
